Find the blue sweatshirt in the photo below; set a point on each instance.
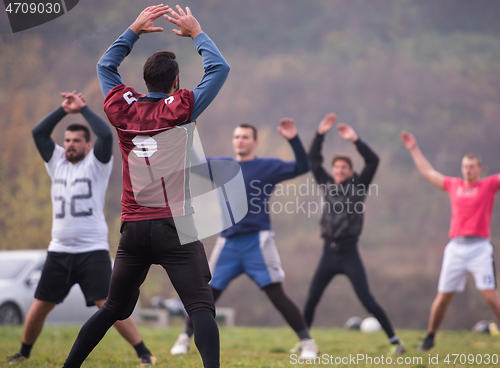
(261, 176)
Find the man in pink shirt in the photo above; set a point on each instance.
(469, 248)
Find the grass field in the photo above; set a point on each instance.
(260, 347)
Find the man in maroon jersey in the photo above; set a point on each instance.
(156, 134)
(469, 248)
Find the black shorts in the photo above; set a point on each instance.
(148, 242)
(91, 270)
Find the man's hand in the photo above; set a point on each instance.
(346, 132)
(72, 102)
(287, 128)
(326, 124)
(145, 21)
(188, 25)
(408, 140)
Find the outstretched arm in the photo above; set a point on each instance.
(288, 130)
(315, 156)
(107, 67)
(216, 68)
(369, 156)
(423, 165)
(43, 130)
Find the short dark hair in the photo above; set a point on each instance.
(78, 128)
(160, 71)
(345, 158)
(249, 126)
(474, 156)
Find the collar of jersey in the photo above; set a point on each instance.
(157, 95)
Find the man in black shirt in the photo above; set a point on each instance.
(342, 220)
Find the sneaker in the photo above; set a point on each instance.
(398, 348)
(17, 357)
(296, 348)
(147, 360)
(309, 349)
(426, 344)
(181, 346)
(493, 327)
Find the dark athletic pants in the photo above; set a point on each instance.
(142, 244)
(281, 302)
(348, 263)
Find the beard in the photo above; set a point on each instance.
(74, 156)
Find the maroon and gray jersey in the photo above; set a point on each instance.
(155, 136)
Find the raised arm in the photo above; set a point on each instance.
(423, 165)
(43, 130)
(107, 67)
(216, 68)
(315, 156)
(369, 156)
(288, 130)
(103, 147)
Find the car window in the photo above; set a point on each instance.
(10, 268)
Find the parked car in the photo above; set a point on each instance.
(20, 272)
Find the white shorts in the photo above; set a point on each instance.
(252, 253)
(467, 254)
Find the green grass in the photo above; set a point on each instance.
(250, 347)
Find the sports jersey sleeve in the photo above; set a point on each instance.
(317, 159)
(43, 130)
(302, 164)
(57, 156)
(101, 169)
(107, 67)
(283, 170)
(447, 183)
(103, 146)
(371, 162)
(216, 72)
(493, 182)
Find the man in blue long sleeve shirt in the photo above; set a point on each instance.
(248, 246)
(148, 232)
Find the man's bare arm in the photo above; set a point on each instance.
(423, 165)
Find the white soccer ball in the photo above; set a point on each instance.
(481, 327)
(370, 324)
(486, 327)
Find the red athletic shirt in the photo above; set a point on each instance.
(154, 135)
(471, 205)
